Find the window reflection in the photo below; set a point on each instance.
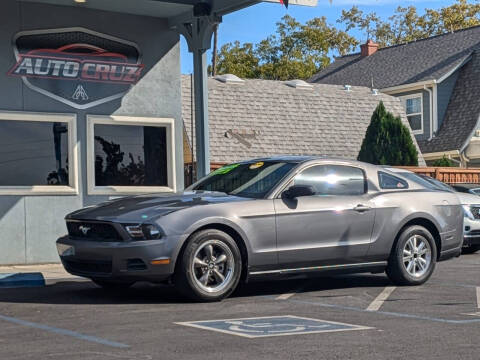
(33, 153)
(128, 155)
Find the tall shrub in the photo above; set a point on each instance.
(388, 141)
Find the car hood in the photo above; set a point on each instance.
(468, 199)
(144, 208)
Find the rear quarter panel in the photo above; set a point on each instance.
(395, 209)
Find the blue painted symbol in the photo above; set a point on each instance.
(272, 326)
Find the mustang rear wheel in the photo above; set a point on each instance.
(210, 266)
(413, 258)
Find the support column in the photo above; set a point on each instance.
(200, 84)
(198, 32)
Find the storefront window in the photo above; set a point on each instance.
(35, 152)
(130, 155)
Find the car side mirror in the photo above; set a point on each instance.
(296, 191)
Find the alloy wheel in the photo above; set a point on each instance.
(213, 266)
(417, 256)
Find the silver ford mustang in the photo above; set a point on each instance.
(268, 217)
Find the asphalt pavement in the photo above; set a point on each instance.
(339, 317)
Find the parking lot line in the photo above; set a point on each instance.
(478, 297)
(63, 332)
(387, 313)
(380, 299)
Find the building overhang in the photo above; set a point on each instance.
(164, 8)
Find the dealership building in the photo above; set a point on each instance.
(91, 107)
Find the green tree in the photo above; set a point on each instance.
(443, 162)
(295, 51)
(407, 25)
(387, 141)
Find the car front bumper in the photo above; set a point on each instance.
(119, 261)
(471, 234)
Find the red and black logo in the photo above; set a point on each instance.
(76, 66)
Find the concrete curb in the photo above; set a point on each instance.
(17, 280)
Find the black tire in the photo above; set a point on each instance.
(470, 249)
(186, 277)
(112, 285)
(397, 270)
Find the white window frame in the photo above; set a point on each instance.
(168, 123)
(71, 121)
(404, 102)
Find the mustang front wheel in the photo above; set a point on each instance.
(210, 267)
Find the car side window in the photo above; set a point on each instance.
(387, 181)
(333, 180)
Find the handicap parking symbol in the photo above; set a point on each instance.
(272, 326)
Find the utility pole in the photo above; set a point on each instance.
(214, 55)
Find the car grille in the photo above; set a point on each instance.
(475, 210)
(88, 267)
(93, 231)
(474, 233)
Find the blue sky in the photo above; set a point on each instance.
(257, 22)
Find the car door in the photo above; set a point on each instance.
(334, 226)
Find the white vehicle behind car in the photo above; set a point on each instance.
(471, 222)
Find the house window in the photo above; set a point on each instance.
(130, 155)
(37, 153)
(414, 109)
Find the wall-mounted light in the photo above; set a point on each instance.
(80, 1)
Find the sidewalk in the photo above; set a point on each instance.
(51, 273)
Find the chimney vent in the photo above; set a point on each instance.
(229, 79)
(369, 48)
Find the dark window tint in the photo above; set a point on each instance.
(127, 155)
(253, 180)
(388, 181)
(33, 153)
(333, 180)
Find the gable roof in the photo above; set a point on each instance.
(261, 118)
(463, 112)
(421, 60)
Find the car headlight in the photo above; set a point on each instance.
(467, 212)
(144, 232)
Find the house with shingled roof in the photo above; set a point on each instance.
(438, 81)
(258, 118)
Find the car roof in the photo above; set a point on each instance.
(298, 159)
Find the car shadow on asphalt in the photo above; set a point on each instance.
(87, 293)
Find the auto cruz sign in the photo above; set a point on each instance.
(76, 66)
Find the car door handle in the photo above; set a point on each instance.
(361, 208)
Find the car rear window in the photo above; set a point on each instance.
(388, 181)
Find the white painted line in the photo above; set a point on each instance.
(380, 299)
(285, 296)
(478, 297)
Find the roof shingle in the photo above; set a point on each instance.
(463, 112)
(261, 118)
(421, 60)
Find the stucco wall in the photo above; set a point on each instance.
(29, 225)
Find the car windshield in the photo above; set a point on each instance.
(426, 181)
(252, 179)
